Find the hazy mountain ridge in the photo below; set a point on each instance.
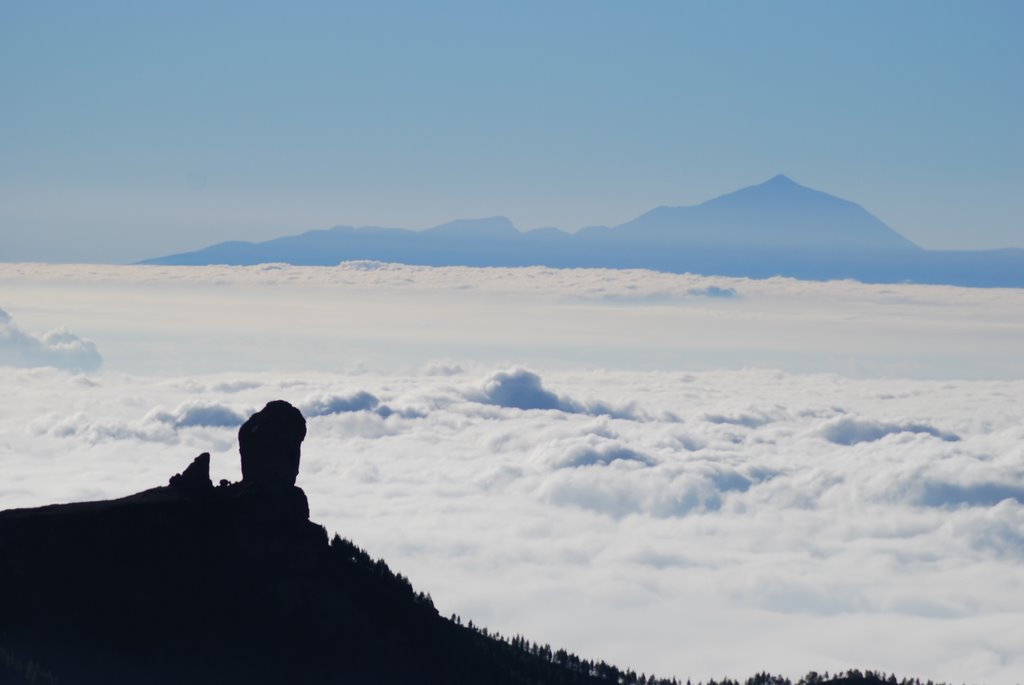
(775, 228)
(776, 213)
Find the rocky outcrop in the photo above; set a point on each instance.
(195, 479)
(270, 443)
(189, 582)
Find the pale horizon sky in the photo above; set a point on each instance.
(131, 131)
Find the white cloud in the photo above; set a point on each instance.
(58, 348)
(85, 430)
(519, 388)
(198, 413)
(850, 431)
(743, 419)
(323, 405)
(156, 425)
(594, 450)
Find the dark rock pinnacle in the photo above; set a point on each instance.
(195, 479)
(270, 443)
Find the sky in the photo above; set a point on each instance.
(691, 475)
(135, 130)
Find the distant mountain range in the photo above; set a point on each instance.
(776, 228)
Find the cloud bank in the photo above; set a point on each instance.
(729, 521)
(60, 348)
(152, 320)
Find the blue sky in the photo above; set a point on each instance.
(134, 129)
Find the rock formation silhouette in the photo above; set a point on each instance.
(196, 583)
(195, 479)
(270, 443)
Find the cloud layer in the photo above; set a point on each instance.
(723, 523)
(603, 460)
(174, 320)
(58, 348)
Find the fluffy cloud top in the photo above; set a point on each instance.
(324, 405)
(59, 348)
(198, 413)
(850, 431)
(593, 450)
(519, 388)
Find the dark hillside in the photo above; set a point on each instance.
(229, 584)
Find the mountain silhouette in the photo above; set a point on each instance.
(196, 583)
(493, 228)
(778, 213)
(776, 228)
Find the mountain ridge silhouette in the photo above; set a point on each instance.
(776, 213)
(775, 228)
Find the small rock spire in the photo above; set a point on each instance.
(195, 479)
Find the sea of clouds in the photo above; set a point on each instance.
(551, 453)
